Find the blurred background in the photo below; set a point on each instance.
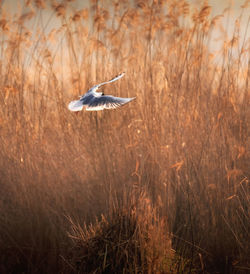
(160, 185)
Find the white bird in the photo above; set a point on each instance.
(93, 100)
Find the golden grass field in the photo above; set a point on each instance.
(160, 185)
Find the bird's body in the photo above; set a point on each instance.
(94, 101)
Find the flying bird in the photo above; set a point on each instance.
(93, 100)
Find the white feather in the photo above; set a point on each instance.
(95, 108)
(75, 105)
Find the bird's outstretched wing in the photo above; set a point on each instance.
(108, 102)
(96, 87)
(119, 76)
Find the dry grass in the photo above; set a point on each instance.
(120, 190)
(133, 239)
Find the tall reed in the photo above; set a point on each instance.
(181, 149)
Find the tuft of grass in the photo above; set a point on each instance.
(133, 239)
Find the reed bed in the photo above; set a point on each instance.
(158, 186)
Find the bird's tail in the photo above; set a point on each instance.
(75, 105)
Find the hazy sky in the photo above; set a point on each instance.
(50, 21)
(218, 6)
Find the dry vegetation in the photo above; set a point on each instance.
(158, 186)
